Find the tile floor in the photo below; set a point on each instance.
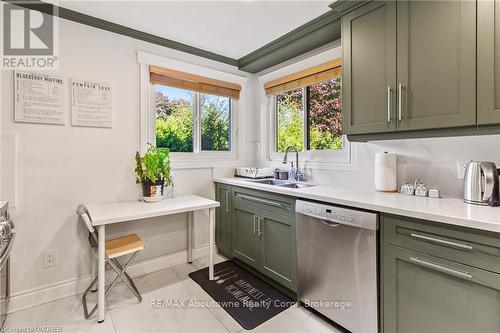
(125, 314)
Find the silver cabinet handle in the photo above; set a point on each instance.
(440, 268)
(442, 241)
(388, 104)
(400, 102)
(260, 200)
(260, 226)
(254, 224)
(227, 202)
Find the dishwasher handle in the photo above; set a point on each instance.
(329, 223)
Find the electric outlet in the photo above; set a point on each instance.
(50, 258)
(461, 165)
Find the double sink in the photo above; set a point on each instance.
(281, 183)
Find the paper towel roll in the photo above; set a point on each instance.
(386, 172)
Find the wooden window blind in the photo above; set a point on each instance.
(306, 77)
(173, 78)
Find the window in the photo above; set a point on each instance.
(324, 115)
(289, 120)
(174, 118)
(307, 109)
(215, 122)
(193, 114)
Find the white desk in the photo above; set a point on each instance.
(103, 214)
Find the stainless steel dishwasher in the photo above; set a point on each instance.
(337, 263)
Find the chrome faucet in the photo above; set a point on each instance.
(298, 175)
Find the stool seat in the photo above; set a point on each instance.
(121, 246)
(114, 248)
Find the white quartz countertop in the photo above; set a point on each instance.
(445, 210)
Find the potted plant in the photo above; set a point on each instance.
(153, 172)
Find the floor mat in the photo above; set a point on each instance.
(248, 299)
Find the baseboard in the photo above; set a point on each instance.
(51, 292)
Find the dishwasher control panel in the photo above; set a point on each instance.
(353, 217)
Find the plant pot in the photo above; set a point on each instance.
(152, 191)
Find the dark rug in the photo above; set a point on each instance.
(248, 299)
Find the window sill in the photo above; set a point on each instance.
(203, 160)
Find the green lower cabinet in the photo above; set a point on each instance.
(224, 225)
(245, 237)
(278, 255)
(423, 293)
(258, 229)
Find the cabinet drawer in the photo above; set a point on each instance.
(469, 246)
(423, 293)
(243, 197)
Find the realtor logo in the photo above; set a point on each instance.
(29, 36)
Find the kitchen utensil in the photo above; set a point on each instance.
(222, 270)
(222, 275)
(224, 280)
(481, 183)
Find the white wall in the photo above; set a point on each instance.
(62, 166)
(432, 160)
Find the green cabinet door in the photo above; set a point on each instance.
(224, 225)
(278, 248)
(369, 69)
(422, 293)
(245, 236)
(436, 64)
(488, 62)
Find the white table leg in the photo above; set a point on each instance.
(211, 244)
(190, 236)
(101, 272)
(93, 258)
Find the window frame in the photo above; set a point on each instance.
(204, 159)
(233, 106)
(306, 122)
(342, 159)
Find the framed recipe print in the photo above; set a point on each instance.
(39, 98)
(91, 104)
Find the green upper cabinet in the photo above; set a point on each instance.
(436, 64)
(369, 69)
(488, 62)
(409, 66)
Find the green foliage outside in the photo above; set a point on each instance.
(325, 123)
(215, 123)
(174, 123)
(290, 129)
(175, 132)
(153, 166)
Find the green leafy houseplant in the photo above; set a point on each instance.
(153, 171)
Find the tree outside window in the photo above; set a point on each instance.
(176, 123)
(323, 116)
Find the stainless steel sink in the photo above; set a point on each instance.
(282, 183)
(296, 185)
(270, 182)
